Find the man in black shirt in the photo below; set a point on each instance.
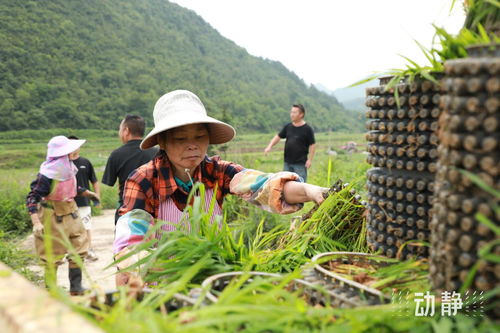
(300, 144)
(84, 177)
(128, 157)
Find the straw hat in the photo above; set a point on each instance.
(61, 145)
(182, 107)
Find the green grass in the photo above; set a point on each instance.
(12, 254)
(262, 306)
(21, 154)
(21, 157)
(244, 309)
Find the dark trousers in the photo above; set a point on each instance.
(298, 168)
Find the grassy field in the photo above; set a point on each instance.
(19, 162)
(21, 155)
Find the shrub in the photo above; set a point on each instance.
(14, 218)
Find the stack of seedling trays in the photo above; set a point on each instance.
(467, 214)
(402, 144)
(348, 293)
(364, 279)
(312, 294)
(111, 298)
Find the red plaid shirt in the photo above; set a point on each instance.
(154, 182)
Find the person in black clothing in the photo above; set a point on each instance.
(128, 157)
(300, 144)
(84, 177)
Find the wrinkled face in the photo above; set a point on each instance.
(296, 114)
(186, 146)
(74, 155)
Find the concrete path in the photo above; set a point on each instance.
(103, 227)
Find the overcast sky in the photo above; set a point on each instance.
(331, 42)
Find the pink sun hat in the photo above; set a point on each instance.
(61, 145)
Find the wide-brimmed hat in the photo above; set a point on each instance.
(61, 145)
(182, 107)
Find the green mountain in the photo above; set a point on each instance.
(85, 64)
(352, 98)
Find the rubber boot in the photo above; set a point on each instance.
(75, 282)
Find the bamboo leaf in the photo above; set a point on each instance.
(428, 54)
(483, 34)
(368, 79)
(493, 2)
(410, 61)
(428, 76)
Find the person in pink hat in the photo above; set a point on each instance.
(159, 189)
(54, 212)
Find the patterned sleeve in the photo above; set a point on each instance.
(131, 229)
(40, 188)
(265, 189)
(137, 193)
(136, 213)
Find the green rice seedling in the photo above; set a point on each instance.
(487, 252)
(385, 274)
(275, 311)
(481, 13)
(446, 48)
(128, 312)
(178, 250)
(244, 219)
(329, 172)
(261, 306)
(338, 220)
(336, 225)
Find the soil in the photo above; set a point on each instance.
(103, 227)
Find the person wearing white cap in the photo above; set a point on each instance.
(160, 188)
(53, 210)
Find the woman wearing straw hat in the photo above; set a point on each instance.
(160, 188)
(54, 212)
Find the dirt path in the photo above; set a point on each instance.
(102, 239)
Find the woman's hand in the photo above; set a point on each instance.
(91, 195)
(133, 281)
(296, 192)
(37, 225)
(315, 193)
(130, 280)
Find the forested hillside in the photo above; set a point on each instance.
(85, 64)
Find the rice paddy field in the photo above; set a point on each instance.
(21, 154)
(204, 280)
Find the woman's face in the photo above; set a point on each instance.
(74, 155)
(185, 146)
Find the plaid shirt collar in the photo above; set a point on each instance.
(164, 176)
